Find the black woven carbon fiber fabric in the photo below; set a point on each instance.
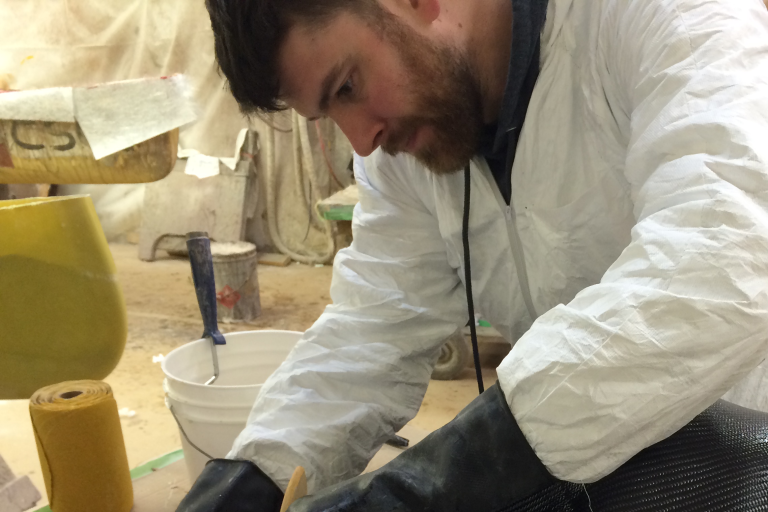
(716, 463)
(481, 462)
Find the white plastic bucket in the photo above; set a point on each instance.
(212, 416)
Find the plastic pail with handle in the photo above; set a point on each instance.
(211, 417)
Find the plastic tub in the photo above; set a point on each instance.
(212, 416)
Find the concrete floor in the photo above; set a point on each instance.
(162, 315)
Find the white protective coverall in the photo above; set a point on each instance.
(630, 271)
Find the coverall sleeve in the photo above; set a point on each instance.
(361, 371)
(682, 315)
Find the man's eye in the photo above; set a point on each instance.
(345, 90)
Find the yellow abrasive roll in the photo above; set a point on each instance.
(81, 448)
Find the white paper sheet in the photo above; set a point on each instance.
(232, 162)
(202, 166)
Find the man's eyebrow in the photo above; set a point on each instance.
(325, 90)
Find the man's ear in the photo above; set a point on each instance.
(426, 10)
(421, 12)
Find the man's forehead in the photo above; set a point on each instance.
(308, 54)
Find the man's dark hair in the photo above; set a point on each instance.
(248, 35)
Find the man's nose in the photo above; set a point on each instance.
(364, 131)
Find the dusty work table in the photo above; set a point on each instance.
(162, 489)
(159, 485)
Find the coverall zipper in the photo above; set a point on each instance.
(514, 242)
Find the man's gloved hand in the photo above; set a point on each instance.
(232, 486)
(478, 461)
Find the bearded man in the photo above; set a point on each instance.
(603, 165)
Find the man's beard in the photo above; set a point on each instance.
(447, 99)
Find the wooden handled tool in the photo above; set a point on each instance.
(297, 488)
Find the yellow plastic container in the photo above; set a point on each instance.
(62, 313)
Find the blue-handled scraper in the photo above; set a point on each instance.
(199, 247)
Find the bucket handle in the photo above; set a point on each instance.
(181, 429)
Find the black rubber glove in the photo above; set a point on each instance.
(232, 486)
(480, 461)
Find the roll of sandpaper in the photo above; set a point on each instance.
(81, 448)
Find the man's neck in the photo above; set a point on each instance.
(489, 44)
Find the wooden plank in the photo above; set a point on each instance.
(41, 152)
(275, 259)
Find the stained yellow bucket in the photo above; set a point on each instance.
(62, 314)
